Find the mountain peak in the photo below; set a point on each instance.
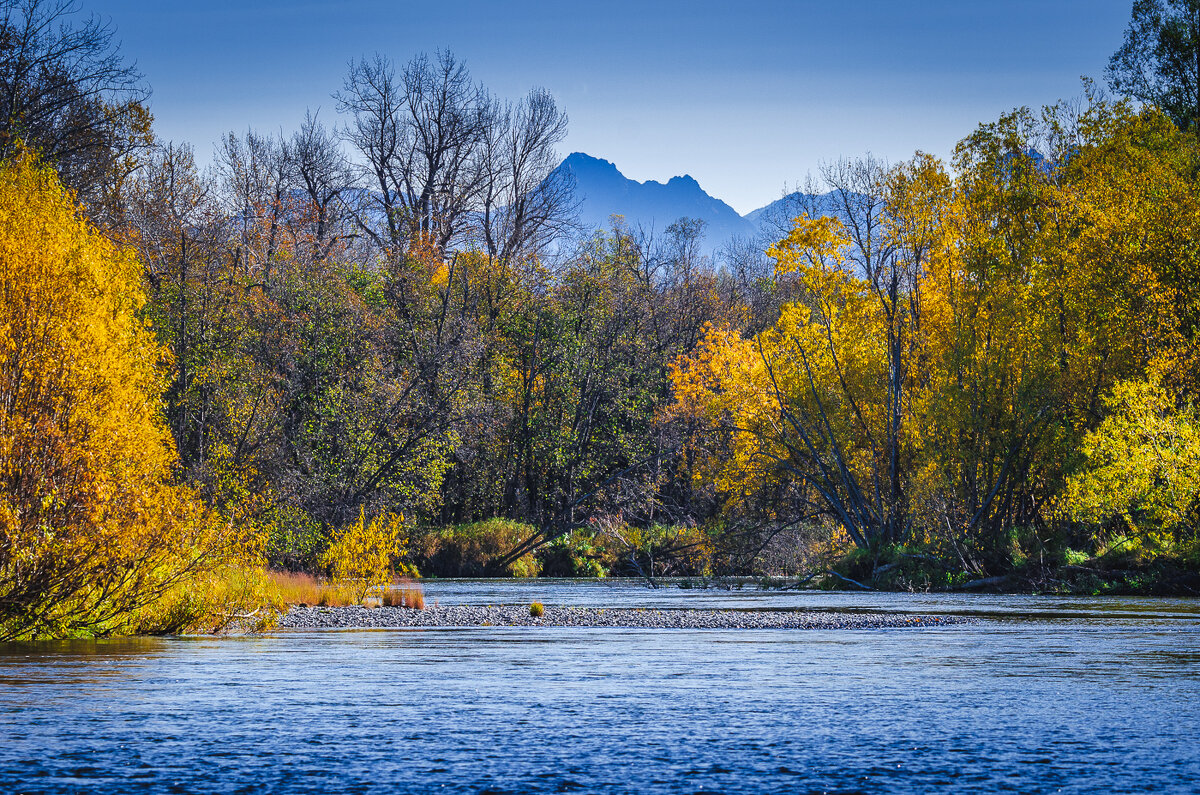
(602, 191)
(581, 161)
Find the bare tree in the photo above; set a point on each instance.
(322, 173)
(420, 134)
(446, 163)
(66, 92)
(525, 204)
(256, 182)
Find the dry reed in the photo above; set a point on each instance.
(405, 593)
(297, 588)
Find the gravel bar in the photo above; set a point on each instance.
(629, 618)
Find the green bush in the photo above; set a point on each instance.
(474, 550)
(578, 554)
(1074, 557)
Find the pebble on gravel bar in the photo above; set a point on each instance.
(629, 618)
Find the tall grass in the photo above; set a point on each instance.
(405, 593)
(297, 588)
(294, 588)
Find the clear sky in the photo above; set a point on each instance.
(745, 97)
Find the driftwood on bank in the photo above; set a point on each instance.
(852, 582)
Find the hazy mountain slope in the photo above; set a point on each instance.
(603, 191)
(775, 219)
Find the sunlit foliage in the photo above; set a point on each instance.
(363, 554)
(1142, 468)
(92, 526)
(937, 380)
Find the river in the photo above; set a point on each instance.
(1036, 694)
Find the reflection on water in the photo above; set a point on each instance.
(1093, 695)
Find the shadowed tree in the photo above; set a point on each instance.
(1159, 62)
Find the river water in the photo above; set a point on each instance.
(1037, 694)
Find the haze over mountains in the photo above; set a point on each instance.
(603, 191)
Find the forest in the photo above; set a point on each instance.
(382, 346)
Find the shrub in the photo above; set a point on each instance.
(362, 553)
(662, 550)
(1074, 557)
(474, 550)
(580, 553)
(536, 610)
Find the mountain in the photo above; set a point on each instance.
(603, 191)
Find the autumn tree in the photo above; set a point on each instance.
(1141, 474)
(92, 525)
(951, 341)
(826, 393)
(306, 384)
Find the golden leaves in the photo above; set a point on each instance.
(361, 554)
(91, 525)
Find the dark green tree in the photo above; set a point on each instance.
(1159, 62)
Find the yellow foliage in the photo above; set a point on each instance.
(361, 555)
(92, 526)
(813, 245)
(944, 371)
(1143, 467)
(232, 596)
(826, 359)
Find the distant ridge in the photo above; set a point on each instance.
(602, 191)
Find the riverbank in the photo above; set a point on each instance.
(629, 618)
(1115, 576)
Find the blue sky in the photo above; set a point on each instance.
(744, 97)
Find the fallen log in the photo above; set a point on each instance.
(852, 582)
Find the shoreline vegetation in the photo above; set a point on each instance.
(312, 368)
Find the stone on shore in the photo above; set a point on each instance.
(629, 618)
